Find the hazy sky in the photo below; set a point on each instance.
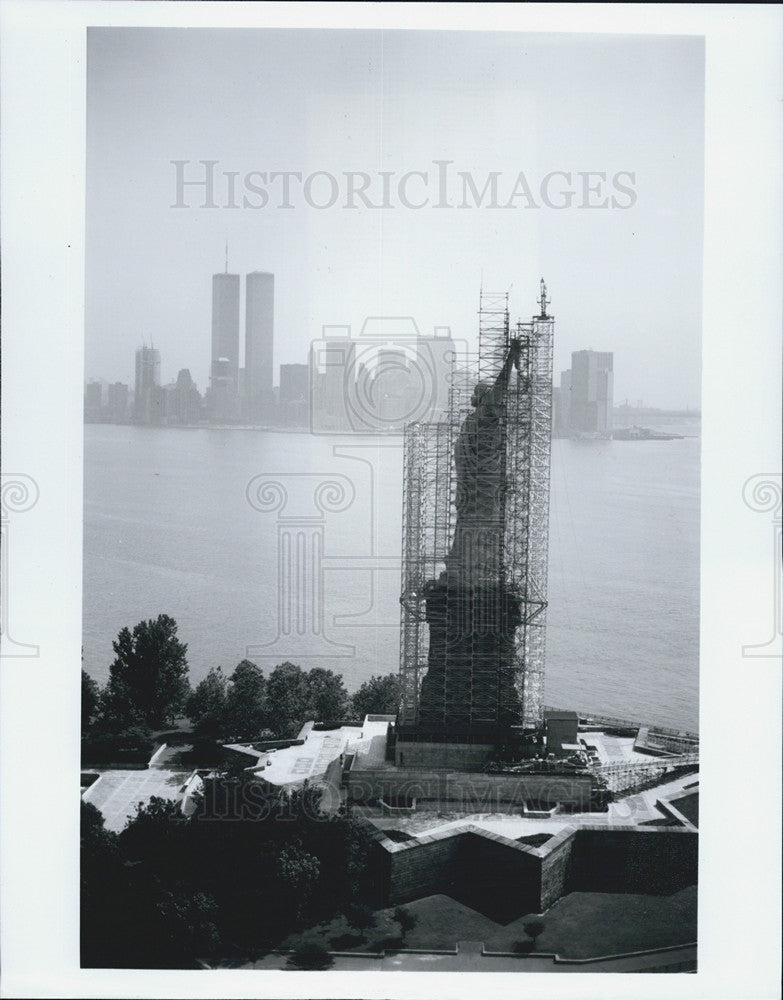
(626, 280)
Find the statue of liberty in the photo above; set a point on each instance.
(471, 612)
(480, 466)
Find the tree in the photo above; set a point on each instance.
(101, 877)
(298, 873)
(378, 696)
(246, 709)
(328, 699)
(91, 698)
(158, 834)
(206, 707)
(360, 916)
(185, 928)
(287, 699)
(405, 919)
(148, 680)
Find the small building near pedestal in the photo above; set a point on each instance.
(561, 727)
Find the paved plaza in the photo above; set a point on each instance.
(117, 793)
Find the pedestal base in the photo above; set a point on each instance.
(470, 675)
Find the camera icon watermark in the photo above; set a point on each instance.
(389, 376)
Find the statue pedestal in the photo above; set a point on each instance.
(470, 666)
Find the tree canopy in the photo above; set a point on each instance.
(91, 697)
(380, 695)
(287, 698)
(206, 706)
(328, 699)
(247, 705)
(246, 708)
(148, 680)
(170, 890)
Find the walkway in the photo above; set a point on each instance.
(117, 793)
(470, 959)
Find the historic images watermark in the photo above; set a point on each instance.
(763, 493)
(208, 184)
(234, 798)
(18, 494)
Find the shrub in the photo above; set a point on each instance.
(360, 916)
(311, 954)
(405, 919)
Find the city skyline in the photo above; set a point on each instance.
(228, 308)
(403, 116)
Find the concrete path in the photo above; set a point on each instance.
(117, 793)
(470, 959)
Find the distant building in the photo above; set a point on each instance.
(294, 395)
(118, 396)
(259, 345)
(158, 409)
(222, 399)
(561, 406)
(225, 347)
(147, 406)
(332, 365)
(392, 389)
(183, 400)
(434, 370)
(93, 402)
(591, 393)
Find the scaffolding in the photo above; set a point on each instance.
(624, 777)
(484, 693)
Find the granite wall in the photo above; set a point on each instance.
(504, 878)
(470, 793)
(626, 859)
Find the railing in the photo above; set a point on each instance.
(610, 720)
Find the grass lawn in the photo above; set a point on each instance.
(440, 922)
(581, 925)
(584, 924)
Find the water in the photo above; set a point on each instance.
(169, 528)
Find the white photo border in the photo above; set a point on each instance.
(43, 142)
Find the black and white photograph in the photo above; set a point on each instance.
(392, 519)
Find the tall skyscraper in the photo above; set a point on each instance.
(224, 367)
(146, 400)
(259, 344)
(591, 392)
(225, 320)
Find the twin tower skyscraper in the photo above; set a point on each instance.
(242, 393)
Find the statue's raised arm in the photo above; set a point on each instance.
(487, 395)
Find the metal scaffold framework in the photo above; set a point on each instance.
(481, 692)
